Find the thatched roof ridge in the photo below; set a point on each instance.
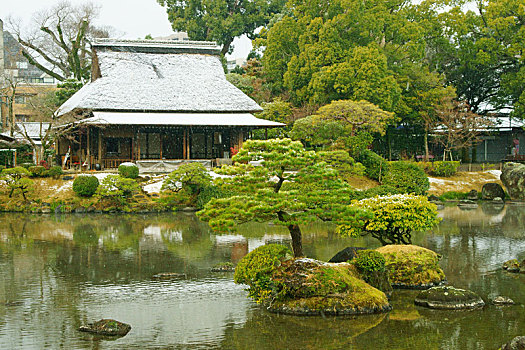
(133, 80)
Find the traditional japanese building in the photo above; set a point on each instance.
(158, 103)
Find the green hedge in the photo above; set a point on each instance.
(376, 166)
(440, 168)
(85, 185)
(128, 170)
(37, 171)
(407, 177)
(55, 171)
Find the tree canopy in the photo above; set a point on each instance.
(278, 180)
(220, 20)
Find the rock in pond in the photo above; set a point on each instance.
(512, 265)
(107, 327)
(223, 267)
(513, 178)
(345, 255)
(412, 267)
(492, 190)
(501, 300)
(472, 195)
(448, 298)
(466, 204)
(517, 343)
(168, 276)
(311, 287)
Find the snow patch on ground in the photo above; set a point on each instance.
(496, 173)
(153, 187)
(433, 180)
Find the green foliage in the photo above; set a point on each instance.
(65, 90)
(85, 185)
(369, 261)
(2, 168)
(407, 177)
(27, 165)
(256, 268)
(220, 21)
(55, 171)
(291, 186)
(16, 179)
(376, 166)
(207, 194)
(453, 195)
(38, 171)
(190, 177)
(277, 111)
(242, 82)
(444, 168)
(345, 123)
(128, 170)
(394, 218)
(382, 190)
(117, 188)
(343, 163)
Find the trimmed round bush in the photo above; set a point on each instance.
(128, 170)
(376, 166)
(85, 185)
(55, 171)
(37, 171)
(407, 177)
(369, 261)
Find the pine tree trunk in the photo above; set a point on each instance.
(297, 241)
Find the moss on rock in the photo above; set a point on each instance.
(412, 267)
(448, 298)
(311, 287)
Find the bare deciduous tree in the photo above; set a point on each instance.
(58, 40)
(458, 127)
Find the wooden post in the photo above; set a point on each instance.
(88, 149)
(138, 145)
(184, 141)
(160, 139)
(100, 148)
(188, 141)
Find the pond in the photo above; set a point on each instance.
(58, 272)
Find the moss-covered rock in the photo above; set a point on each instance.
(511, 265)
(448, 298)
(412, 267)
(372, 268)
(107, 327)
(311, 287)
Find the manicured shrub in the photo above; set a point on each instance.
(128, 170)
(207, 194)
(343, 163)
(256, 268)
(16, 179)
(37, 171)
(118, 188)
(55, 172)
(2, 168)
(394, 218)
(407, 177)
(27, 165)
(191, 177)
(375, 165)
(369, 261)
(444, 168)
(85, 185)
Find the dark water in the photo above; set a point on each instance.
(59, 272)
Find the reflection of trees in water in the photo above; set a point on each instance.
(188, 238)
(264, 330)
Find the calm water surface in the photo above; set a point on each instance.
(57, 273)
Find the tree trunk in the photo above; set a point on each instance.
(226, 46)
(426, 145)
(297, 241)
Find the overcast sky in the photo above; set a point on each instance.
(133, 18)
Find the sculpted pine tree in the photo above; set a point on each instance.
(288, 185)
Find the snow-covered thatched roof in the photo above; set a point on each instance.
(158, 76)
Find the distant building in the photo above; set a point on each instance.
(178, 36)
(30, 81)
(236, 62)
